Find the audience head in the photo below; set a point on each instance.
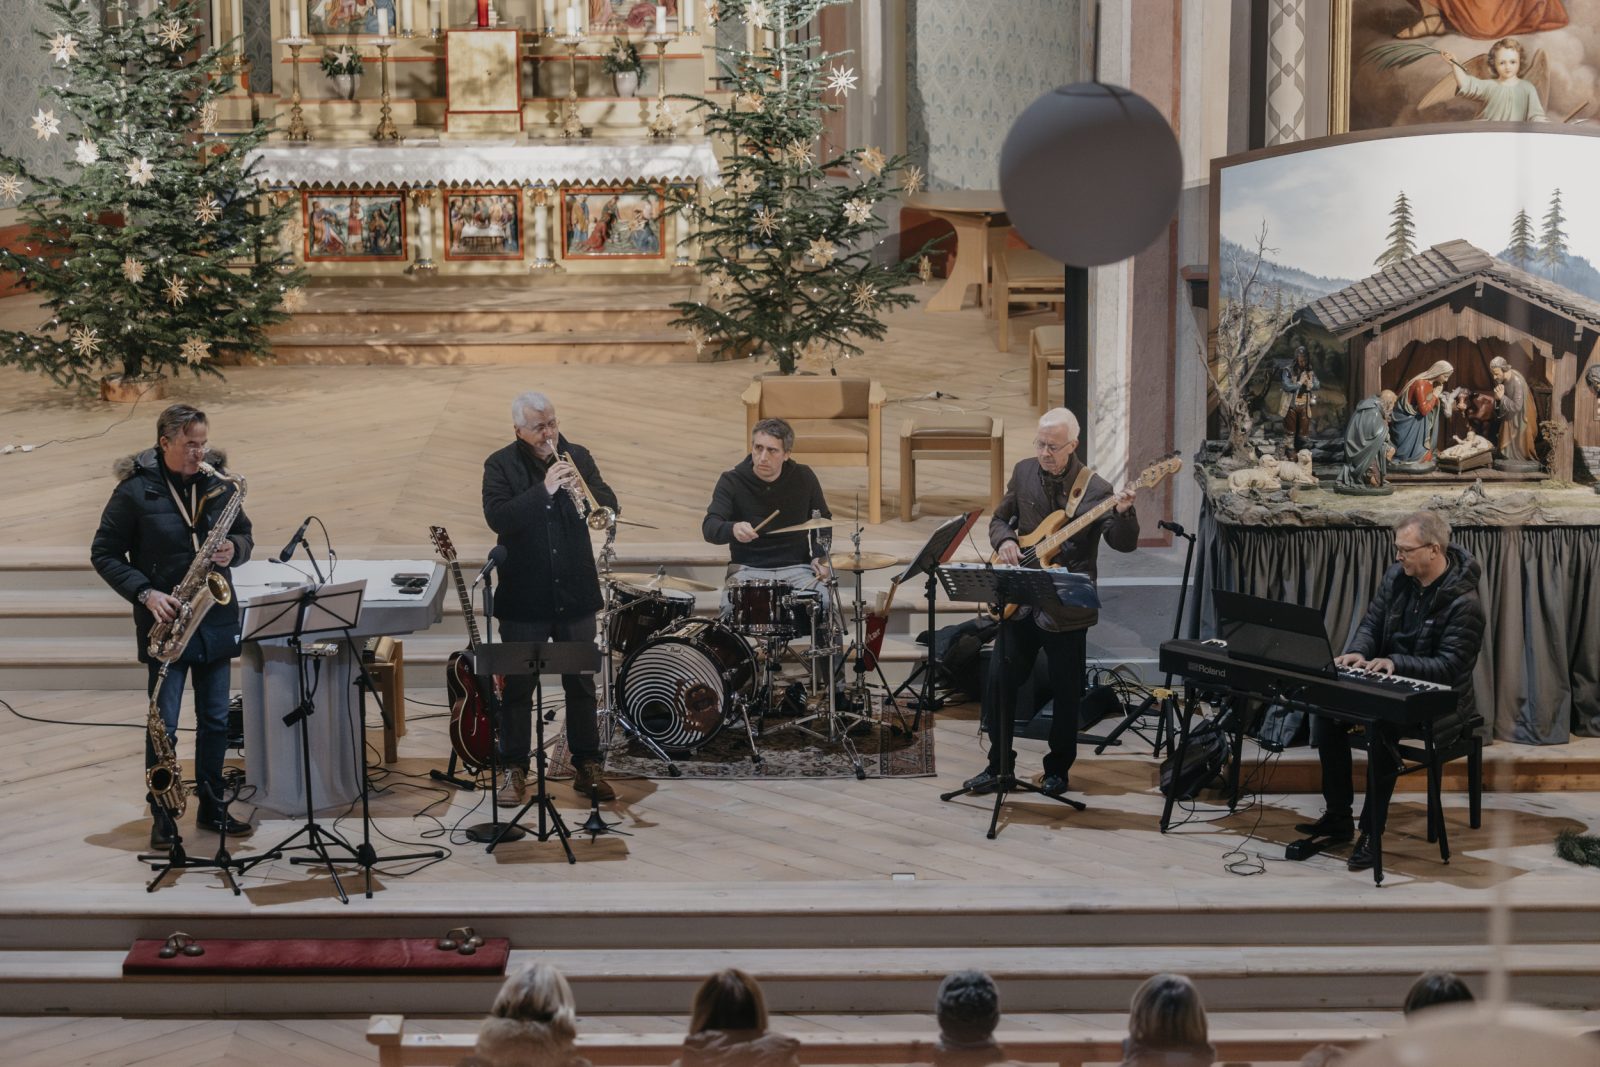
(1434, 988)
(729, 1001)
(539, 994)
(1167, 1013)
(968, 1008)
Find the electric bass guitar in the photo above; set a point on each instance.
(470, 733)
(1041, 544)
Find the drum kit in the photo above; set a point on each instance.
(672, 681)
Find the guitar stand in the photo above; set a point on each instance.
(178, 859)
(449, 776)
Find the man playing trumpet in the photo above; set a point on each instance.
(549, 587)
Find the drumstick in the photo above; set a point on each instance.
(764, 522)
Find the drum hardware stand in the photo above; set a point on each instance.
(528, 657)
(1003, 586)
(608, 718)
(595, 825)
(937, 550)
(494, 829)
(291, 615)
(1163, 702)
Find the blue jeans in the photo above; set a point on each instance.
(211, 722)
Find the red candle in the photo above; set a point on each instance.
(483, 14)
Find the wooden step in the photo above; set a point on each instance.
(488, 347)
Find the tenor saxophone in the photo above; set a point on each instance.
(200, 589)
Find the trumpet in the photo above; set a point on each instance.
(597, 515)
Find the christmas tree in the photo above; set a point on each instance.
(1522, 249)
(1402, 235)
(155, 253)
(790, 255)
(1552, 238)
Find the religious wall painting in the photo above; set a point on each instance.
(620, 222)
(1401, 63)
(355, 225)
(623, 16)
(483, 224)
(329, 17)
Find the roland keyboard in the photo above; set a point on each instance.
(1355, 695)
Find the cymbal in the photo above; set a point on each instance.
(866, 561)
(660, 581)
(801, 527)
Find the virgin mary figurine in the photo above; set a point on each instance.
(1416, 419)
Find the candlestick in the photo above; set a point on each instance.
(297, 122)
(236, 22)
(217, 38)
(539, 199)
(386, 130)
(663, 124)
(571, 123)
(423, 199)
(435, 19)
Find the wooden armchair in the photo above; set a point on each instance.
(838, 422)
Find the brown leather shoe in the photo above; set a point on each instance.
(590, 781)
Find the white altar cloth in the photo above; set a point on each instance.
(482, 163)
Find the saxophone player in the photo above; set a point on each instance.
(158, 516)
(549, 586)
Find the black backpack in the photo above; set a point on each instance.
(1203, 761)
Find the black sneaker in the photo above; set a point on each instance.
(162, 833)
(214, 824)
(1052, 785)
(1361, 857)
(1332, 826)
(985, 782)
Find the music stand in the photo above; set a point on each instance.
(1023, 587)
(293, 614)
(537, 657)
(938, 549)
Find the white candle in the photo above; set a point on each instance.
(686, 15)
(236, 29)
(217, 36)
(661, 19)
(572, 20)
(383, 22)
(433, 15)
(549, 15)
(405, 15)
(294, 18)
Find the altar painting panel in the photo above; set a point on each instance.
(351, 16)
(349, 226)
(620, 16)
(622, 222)
(483, 224)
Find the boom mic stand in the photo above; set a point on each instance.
(1163, 702)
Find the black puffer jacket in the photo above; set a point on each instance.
(144, 543)
(549, 572)
(1442, 641)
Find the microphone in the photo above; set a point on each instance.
(497, 556)
(299, 535)
(1173, 526)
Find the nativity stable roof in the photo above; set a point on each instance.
(1429, 274)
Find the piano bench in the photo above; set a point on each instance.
(1432, 758)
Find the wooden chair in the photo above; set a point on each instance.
(1422, 751)
(838, 422)
(388, 670)
(1047, 345)
(1022, 275)
(951, 437)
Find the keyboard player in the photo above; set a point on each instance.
(1424, 622)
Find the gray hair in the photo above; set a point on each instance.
(1060, 417)
(1167, 1012)
(525, 403)
(775, 428)
(538, 993)
(1430, 526)
(968, 1008)
(1499, 362)
(174, 422)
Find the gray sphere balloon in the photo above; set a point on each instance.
(1090, 173)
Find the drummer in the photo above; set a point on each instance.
(743, 504)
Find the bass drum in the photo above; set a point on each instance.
(686, 682)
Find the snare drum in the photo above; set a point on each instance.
(685, 682)
(641, 613)
(760, 608)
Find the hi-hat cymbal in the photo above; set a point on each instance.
(801, 527)
(866, 561)
(660, 581)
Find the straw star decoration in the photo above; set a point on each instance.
(745, 183)
(912, 180)
(85, 341)
(799, 153)
(140, 171)
(719, 285)
(872, 159)
(765, 222)
(87, 152)
(133, 270)
(713, 11)
(194, 350)
(751, 101)
(46, 125)
(821, 251)
(208, 210)
(63, 47)
(294, 300)
(758, 15)
(173, 34)
(863, 295)
(10, 188)
(857, 211)
(841, 80)
(208, 117)
(176, 291)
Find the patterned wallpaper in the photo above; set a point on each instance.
(24, 65)
(971, 67)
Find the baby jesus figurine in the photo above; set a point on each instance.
(1470, 445)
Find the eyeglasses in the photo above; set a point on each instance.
(1402, 551)
(540, 427)
(1046, 446)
